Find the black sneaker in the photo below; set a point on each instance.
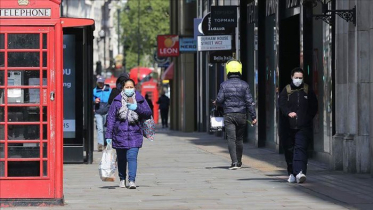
(234, 166)
(239, 164)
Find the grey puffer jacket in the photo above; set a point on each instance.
(234, 96)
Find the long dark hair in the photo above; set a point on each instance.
(124, 82)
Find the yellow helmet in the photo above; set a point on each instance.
(234, 66)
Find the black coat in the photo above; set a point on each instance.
(235, 97)
(305, 105)
(164, 102)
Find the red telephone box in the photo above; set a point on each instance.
(31, 102)
(151, 89)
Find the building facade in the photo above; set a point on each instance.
(104, 13)
(272, 38)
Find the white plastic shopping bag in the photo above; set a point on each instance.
(108, 164)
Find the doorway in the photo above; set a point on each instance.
(289, 50)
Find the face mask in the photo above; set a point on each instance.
(297, 82)
(129, 92)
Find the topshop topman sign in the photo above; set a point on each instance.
(224, 16)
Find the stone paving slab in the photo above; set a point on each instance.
(190, 171)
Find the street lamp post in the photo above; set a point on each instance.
(138, 41)
(102, 36)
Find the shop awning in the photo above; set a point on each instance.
(169, 73)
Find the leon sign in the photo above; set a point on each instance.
(168, 45)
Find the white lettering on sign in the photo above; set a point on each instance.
(25, 12)
(212, 43)
(165, 51)
(251, 12)
(292, 3)
(271, 6)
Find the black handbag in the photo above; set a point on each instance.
(102, 108)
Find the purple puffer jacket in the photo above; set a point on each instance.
(126, 136)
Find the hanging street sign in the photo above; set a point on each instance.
(220, 56)
(168, 45)
(214, 43)
(207, 29)
(224, 16)
(187, 44)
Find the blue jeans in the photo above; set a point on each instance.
(130, 156)
(100, 122)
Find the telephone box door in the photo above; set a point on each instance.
(27, 122)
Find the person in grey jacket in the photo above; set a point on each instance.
(235, 98)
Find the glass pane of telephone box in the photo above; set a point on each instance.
(2, 150)
(25, 78)
(2, 168)
(23, 168)
(24, 150)
(23, 59)
(2, 59)
(23, 41)
(2, 113)
(23, 132)
(2, 132)
(23, 114)
(23, 96)
(2, 78)
(2, 41)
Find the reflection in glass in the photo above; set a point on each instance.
(1, 96)
(20, 96)
(2, 132)
(22, 169)
(23, 132)
(2, 41)
(45, 132)
(2, 151)
(2, 59)
(2, 82)
(23, 114)
(45, 168)
(45, 114)
(25, 150)
(45, 150)
(2, 168)
(23, 41)
(23, 59)
(45, 41)
(2, 113)
(45, 77)
(45, 59)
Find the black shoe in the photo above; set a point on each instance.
(239, 164)
(234, 166)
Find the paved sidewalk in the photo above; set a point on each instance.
(190, 171)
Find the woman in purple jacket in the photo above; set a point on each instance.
(124, 131)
